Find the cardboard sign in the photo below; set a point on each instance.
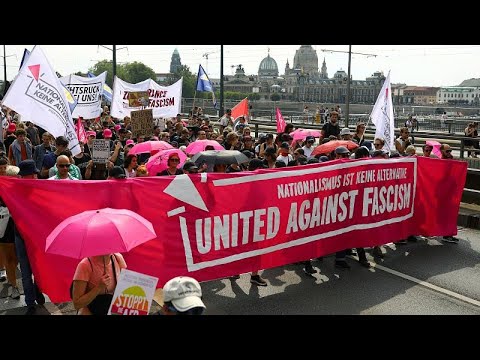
(142, 122)
(133, 294)
(100, 151)
(138, 98)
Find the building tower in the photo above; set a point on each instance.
(324, 74)
(176, 62)
(287, 68)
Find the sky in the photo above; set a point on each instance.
(414, 65)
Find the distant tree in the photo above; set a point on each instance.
(275, 97)
(131, 72)
(189, 80)
(254, 96)
(136, 72)
(79, 73)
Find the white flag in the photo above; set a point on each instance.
(382, 116)
(38, 96)
(165, 101)
(87, 91)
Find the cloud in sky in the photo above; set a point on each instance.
(422, 65)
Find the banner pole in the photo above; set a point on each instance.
(193, 105)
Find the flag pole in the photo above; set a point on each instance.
(194, 96)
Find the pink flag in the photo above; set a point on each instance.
(280, 121)
(82, 136)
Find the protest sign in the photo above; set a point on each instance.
(141, 122)
(100, 151)
(133, 294)
(138, 99)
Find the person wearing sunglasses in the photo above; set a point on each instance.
(427, 151)
(446, 151)
(63, 166)
(173, 162)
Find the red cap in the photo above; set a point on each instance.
(12, 127)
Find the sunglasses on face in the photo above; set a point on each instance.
(175, 160)
(377, 144)
(448, 151)
(64, 165)
(428, 150)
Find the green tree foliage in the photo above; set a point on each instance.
(136, 72)
(189, 81)
(130, 72)
(275, 97)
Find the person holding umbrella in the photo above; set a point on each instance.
(97, 237)
(94, 276)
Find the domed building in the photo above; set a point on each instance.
(268, 68)
(306, 60)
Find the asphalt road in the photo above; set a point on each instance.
(427, 277)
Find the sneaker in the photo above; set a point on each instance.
(15, 293)
(366, 264)
(3, 275)
(401, 242)
(377, 252)
(40, 298)
(257, 280)
(309, 269)
(450, 239)
(412, 238)
(235, 277)
(342, 264)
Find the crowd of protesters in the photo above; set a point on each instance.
(29, 151)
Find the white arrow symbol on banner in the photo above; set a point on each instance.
(183, 189)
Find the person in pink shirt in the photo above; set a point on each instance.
(95, 276)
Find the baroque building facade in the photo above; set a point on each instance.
(304, 82)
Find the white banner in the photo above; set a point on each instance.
(87, 91)
(133, 294)
(382, 116)
(37, 94)
(165, 101)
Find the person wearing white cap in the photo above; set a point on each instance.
(346, 134)
(182, 295)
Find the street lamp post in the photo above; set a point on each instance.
(221, 82)
(114, 58)
(347, 110)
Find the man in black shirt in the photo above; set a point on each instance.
(332, 127)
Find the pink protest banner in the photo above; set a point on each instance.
(211, 226)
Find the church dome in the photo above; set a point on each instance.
(306, 59)
(268, 67)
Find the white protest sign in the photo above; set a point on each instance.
(87, 91)
(100, 151)
(165, 101)
(133, 294)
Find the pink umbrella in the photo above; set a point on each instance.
(436, 147)
(158, 162)
(199, 145)
(99, 232)
(149, 146)
(301, 134)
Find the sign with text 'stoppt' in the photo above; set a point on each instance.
(133, 294)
